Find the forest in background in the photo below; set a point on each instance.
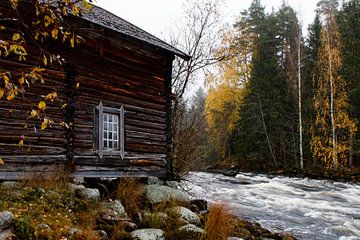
(279, 99)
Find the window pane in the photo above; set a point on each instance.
(110, 131)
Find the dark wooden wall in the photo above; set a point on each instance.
(109, 67)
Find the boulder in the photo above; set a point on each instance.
(148, 234)
(73, 187)
(129, 226)
(102, 234)
(113, 212)
(172, 184)
(7, 233)
(91, 194)
(186, 215)
(6, 219)
(199, 205)
(78, 180)
(155, 181)
(160, 193)
(191, 231)
(157, 218)
(242, 233)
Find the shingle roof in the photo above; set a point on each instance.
(109, 20)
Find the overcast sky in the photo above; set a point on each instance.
(156, 16)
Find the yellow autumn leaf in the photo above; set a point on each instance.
(21, 143)
(77, 85)
(55, 33)
(1, 162)
(1, 92)
(42, 105)
(47, 21)
(34, 113)
(72, 41)
(44, 124)
(45, 60)
(51, 96)
(11, 96)
(16, 37)
(21, 80)
(64, 106)
(6, 80)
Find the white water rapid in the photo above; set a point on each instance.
(310, 209)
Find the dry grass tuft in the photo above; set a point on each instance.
(131, 194)
(56, 180)
(219, 223)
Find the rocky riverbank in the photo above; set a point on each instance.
(143, 209)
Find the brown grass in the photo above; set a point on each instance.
(219, 223)
(56, 180)
(131, 194)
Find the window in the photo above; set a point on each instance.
(109, 124)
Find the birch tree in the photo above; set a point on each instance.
(333, 128)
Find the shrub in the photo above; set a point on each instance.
(131, 194)
(218, 224)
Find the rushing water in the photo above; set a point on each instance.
(310, 209)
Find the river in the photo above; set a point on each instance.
(310, 209)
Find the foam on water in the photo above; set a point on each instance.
(310, 209)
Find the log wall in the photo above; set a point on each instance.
(108, 67)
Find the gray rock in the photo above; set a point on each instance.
(186, 215)
(7, 233)
(172, 184)
(73, 187)
(10, 185)
(148, 234)
(114, 211)
(44, 227)
(160, 193)
(6, 219)
(191, 231)
(92, 194)
(73, 231)
(78, 180)
(129, 226)
(155, 181)
(102, 234)
(158, 217)
(235, 238)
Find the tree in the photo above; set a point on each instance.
(26, 27)
(349, 27)
(190, 146)
(222, 104)
(333, 128)
(197, 35)
(313, 42)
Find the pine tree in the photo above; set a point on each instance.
(262, 136)
(349, 26)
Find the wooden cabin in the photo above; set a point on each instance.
(117, 89)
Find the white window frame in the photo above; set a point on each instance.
(120, 151)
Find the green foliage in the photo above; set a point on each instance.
(24, 229)
(265, 129)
